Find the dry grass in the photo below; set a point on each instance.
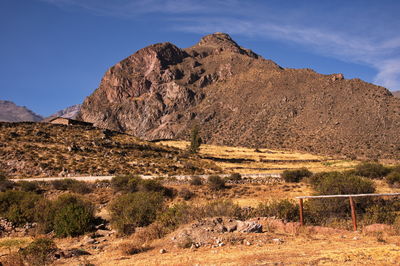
(265, 160)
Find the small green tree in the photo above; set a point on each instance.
(195, 140)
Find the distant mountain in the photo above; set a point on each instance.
(69, 112)
(10, 112)
(241, 99)
(396, 93)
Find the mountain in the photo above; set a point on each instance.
(239, 98)
(69, 112)
(10, 112)
(396, 94)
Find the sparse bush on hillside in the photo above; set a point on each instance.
(281, 209)
(131, 210)
(196, 181)
(5, 184)
(234, 177)
(195, 140)
(215, 182)
(217, 208)
(380, 214)
(73, 216)
(393, 179)
(371, 170)
(72, 185)
(171, 218)
(39, 252)
(18, 206)
(125, 183)
(296, 175)
(29, 186)
(185, 194)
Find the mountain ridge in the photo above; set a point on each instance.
(10, 112)
(239, 98)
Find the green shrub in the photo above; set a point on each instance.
(174, 216)
(39, 252)
(322, 211)
(135, 209)
(151, 185)
(371, 170)
(73, 216)
(71, 185)
(393, 179)
(380, 214)
(18, 206)
(281, 209)
(216, 182)
(195, 181)
(335, 183)
(29, 186)
(296, 175)
(125, 183)
(234, 177)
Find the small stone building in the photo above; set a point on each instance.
(69, 122)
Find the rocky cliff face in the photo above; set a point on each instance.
(10, 112)
(240, 98)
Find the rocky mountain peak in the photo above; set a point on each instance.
(219, 42)
(10, 112)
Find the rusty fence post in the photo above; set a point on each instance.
(353, 213)
(301, 212)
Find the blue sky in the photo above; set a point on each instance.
(54, 52)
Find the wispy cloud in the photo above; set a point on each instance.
(361, 40)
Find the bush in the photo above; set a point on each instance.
(29, 186)
(296, 176)
(321, 211)
(186, 194)
(5, 184)
(18, 206)
(73, 216)
(234, 177)
(195, 181)
(174, 216)
(39, 252)
(371, 170)
(217, 208)
(135, 209)
(216, 182)
(283, 209)
(393, 179)
(380, 214)
(72, 185)
(335, 183)
(125, 183)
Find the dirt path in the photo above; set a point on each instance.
(109, 177)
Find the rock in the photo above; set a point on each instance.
(247, 243)
(249, 227)
(277, 241)
(162, 251)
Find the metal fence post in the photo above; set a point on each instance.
(353, 213)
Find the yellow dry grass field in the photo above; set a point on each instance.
(264, 160)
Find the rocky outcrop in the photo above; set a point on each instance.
(239, 98)
(10, 112)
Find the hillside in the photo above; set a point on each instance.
(241, 99)
(10, 112)
(42, 149)
(396, 94)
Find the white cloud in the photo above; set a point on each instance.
(365, 43)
